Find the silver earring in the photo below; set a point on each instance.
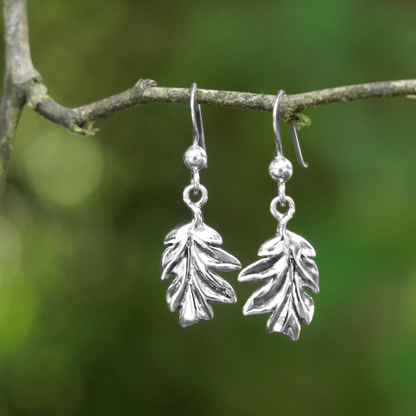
(192, 251)
(287, 269)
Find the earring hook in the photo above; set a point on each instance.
(199, 137)
(277, 136)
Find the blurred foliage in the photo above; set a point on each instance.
(84, 326)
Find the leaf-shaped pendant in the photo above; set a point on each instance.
(287, 271)
(191, 255)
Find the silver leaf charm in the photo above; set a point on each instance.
(287, 271)
(190, 256)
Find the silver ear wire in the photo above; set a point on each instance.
(195, 157)
(199, 137)
(278, 138)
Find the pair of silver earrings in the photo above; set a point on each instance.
(193, 251)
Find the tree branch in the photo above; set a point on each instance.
(23, 85)
(146, 91)
(19, 73)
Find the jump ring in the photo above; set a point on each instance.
(285, 215)
(198, 204)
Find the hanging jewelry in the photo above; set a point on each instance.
(287, 268)
(192, 253)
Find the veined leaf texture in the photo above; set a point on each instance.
(287, 271)
(191, 255)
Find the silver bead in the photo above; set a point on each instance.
(280, 169)
(195, 158)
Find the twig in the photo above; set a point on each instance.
(146, 91)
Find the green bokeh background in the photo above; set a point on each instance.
(84, 326)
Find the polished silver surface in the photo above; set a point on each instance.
(195, 157)
(280, 169)
(191, 255)
(277, 136)
(296, 144)
(192, 251)
(199, 137)
(287, 271)
(281, 190)
(276, 123)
